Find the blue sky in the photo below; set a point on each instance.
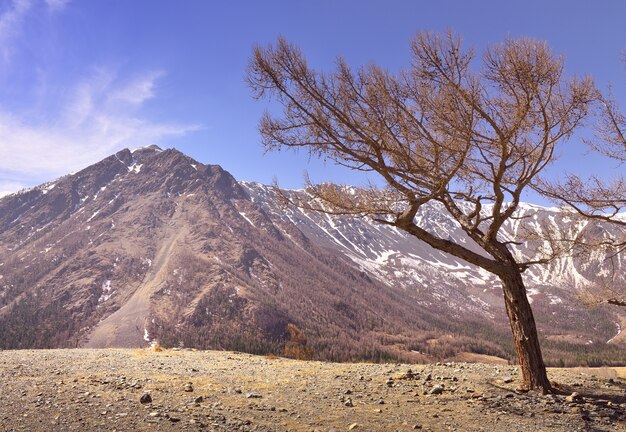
(82, 79)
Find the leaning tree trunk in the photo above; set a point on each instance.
(524, 332)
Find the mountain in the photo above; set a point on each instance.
(397, 259)
(151, 244)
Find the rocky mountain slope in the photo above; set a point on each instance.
(395, 258)
(152, 244)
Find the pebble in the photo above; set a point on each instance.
(145, 398)
(574, 397)
(360, 390)
(438, 389)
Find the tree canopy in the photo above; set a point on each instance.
(469, 133)
(597, 199)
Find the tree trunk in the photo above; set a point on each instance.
(524, 332)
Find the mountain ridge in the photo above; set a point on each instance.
(151, 242)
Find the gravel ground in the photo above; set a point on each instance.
(136, 390)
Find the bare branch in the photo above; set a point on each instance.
(437, 132)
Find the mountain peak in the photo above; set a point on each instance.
(151, 240)
(152, 147)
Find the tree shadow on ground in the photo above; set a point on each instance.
(601, 406)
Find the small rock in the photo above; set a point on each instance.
(154, 414)
(353, 426)
(253, 396)
(348, 403)
(198, 400)
(408, 375)
(145, 398)
(507, 379)
(438, 389)
(574, 397)
(188, 387)
(174, 419)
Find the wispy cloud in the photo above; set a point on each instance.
(139, 90)
(11, 21)
(69, 126)
(57, 5)
(100, 115)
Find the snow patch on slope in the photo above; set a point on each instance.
(106, 292)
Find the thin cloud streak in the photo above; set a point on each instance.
(57, 5)
(100, 116)
(95, 116)
(139, 90)
(11, 22)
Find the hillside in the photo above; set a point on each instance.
(151, 244)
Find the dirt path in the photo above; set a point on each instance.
(101, 390)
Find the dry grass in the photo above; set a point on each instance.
(600, 372)
(479, 358)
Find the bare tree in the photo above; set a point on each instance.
(598, 200)
(440, 131)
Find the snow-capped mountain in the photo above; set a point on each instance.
(153, 244)
(395, 258)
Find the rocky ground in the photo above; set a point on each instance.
(128, 390)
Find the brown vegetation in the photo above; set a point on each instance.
(296, 347)
(440, 131)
